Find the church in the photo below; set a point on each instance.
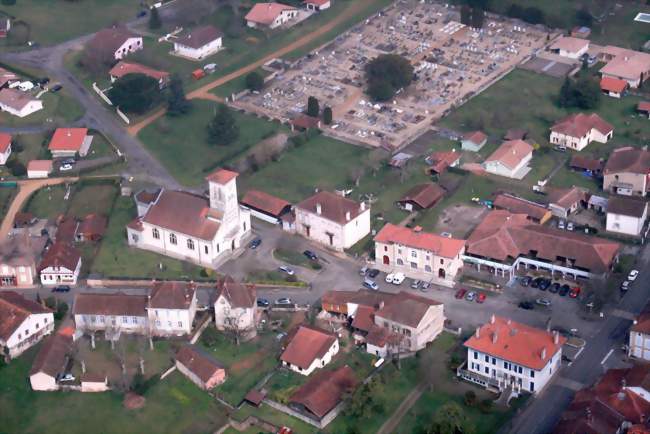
(191, 227)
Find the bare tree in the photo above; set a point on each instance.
(233, 325)
(376, 159)
(356, 172)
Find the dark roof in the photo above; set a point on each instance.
(628, 159)
(198, 362)
(586, 163)
(518, 205)
(424, 195)
(172, 295)
(265, 202)
(23, 219)
(199, 37)
(255, 397)
(407, 308)
(333, 206)
(325, 390)
(60, 254)
(111, 39)
(117, 304)
(53, 355)
(627, 206)
(14, 310)
(306, 345)
(238, 294)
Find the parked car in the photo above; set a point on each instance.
(625, 285)
(535, 282)
(363, 271)
(560, 224)
(56, 88)
(66, 377)
(61, 288)
(141, 14)
(525, 280)
(575, 292)
(543, 301)
(460, 293)
(311, 255)
(527, 305)
(554, 288)
(416, 284)
(425, 286)
(389, 278)
(263, 302)
(373, 272)
(471, 296)
(255, 243)
(370, 284)
(445, 234)
(633, 275)
(564, 290)
(544, 284)
(481, 297)
(284, 301)
(287, 270)
(65, 167)
(570, 226)
(398, 278)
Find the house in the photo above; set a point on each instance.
(19, 256)
(421, 196)
(194, 228)
(200, 368)
(568, 46)
(171, 308)
(566, 201)
(535, 212)
(317, 5)
(332, 220)
(346, 303)
(61, 264)
(23, 323)
(644, 108)
(440, 161)
(93, 382)
(627, 172)
(70, 142)
(629, 65)
(473, 141)
(613, 87)
(308, 349)
(576, 131)
(588, 166)
(91, 228)
(506, 354)
(618, 403)
(39, 168)
(19, 103)
(116, 42)
(639, 336)
(113, 314)
(51, 361)
(597, 204)
(123, 68)
(626, 215)
(322, 393)
(24, 220)
(418, 254)
(235, 308)
(270, 15)
(200, 43)
(510, 159)
(580, 32)
(265, 206)
(503, 242)
(5, 148)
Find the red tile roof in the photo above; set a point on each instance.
(5, 142)
(611, 84)
(199, 37)
(172, 295)
(265, 202)
(222, 176)
(325, 390)
(643, 106)
(476, 137)
(511, 153)
(629, 64)
(408, 309)
(14, 310)
(642, 323)
(39, 166)
(628, 159)
(93, 225)
(60, 254)
(307, 345)
(516, 342)
(579, 125)
(333, 206)
(123, 68)
(198, 362)
(266, 13)
(68, 139)
(364, 318)
(317, 2)
(518, 205)
(569, 43)
(439, 161)
(438, 245)
(586, 163)
(424, 195)
(111, 39)
(567, 197)
(237, 294)
(305, 122)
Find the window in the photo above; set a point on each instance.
(427, 268)
(487, 370)
(190, 244)
(134, 237)
(487, 358)
(101, 319)
(155, 233)
(134, 320)
(442, 261)
(157, 323)
(206, 249)
(400, 262)
(125, 320)
(169, 323)
(475, 355)
(532, 374)
(92, 318)
(385, 248)
(172, 239)
(532, 386)
(494, 361)
(180, 323)
(414, 265)
(506, 365)
(520, 370)
(414, 254)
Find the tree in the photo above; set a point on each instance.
(465, 14)
(584, 18)
(478, 17)
(586, 93)
(223, 129)
(327, 115)
(154, 19)
(255, 81)
(565, 97)
(313, 108)
(135, 93)
(61, 310)
(18, 169)
(470, 398)
(386, 74)
(380, 90)
(450, 419)
(376, 159)
(533, 15)
(177, 103)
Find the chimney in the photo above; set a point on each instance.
(347, 216)
(319, 209)
(478, 332)
(543, 353)
(556, 337)
(363, 206)
(495, 336)
(492, 319)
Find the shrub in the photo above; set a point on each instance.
(486, 406)
(18, 169)
(61, 310)
(470, 398)
(254, 81)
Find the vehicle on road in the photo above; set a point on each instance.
(65, 167)
(416, 284)
(471, 296)
(286, 270)
(56, 88)
(575, 292)
(527, 305)
(61, 288)
(363, 271)
(633, 275)
(460, 293)
(564, 290)
(311, 255)
(285, 301)
(371, 284)
(525, 280)
(373, 272)
(263, 302)
(389, 278)
(255, 243)
(625, 285)
(398, 278)
(481, 297)
(543, 301)
(554, 288)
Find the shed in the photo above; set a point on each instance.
(198, 74)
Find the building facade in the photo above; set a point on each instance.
(60, 265)
(235, 308)
(23, 323)
(627, 172)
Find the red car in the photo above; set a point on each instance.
(575, 292)
(461, 293)
(481, 298)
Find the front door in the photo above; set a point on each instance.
(386, 260)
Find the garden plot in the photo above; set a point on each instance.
(452, 63)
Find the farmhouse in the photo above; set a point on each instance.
(626, 215)
(506, 354)
(61, 264)
(510, 159)
(421, 196)
(629, 65)
(123, 68)
(23, 323)
(199, 43)
(39, 168)
(535, 212)
(171, 308)
(309, 349)
(19, 256)
(117, 42)
(332, 220)
(70, 142)
(440, 161)
(112, 314)
(235, 308)
(627, 172)
(199, 367)
(265, 206)
(568, 46)
(566, 201)
(270, 15)
(19, 103)
(5, 148)
(191, 227)
(418, 254)
(576, 131)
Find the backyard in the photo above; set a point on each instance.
(84, 198)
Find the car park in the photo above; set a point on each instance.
(373, 272)
(575, 292)
(525, 280)
(61, 288)
(564, 290)
(389, 278)
(471, 296)
(535, 282)
(284, 301)
(255, 243)
(415, 284)
(263, 302)
(370, 284)
(311, 255)
(398, 278)
(543, 302)
(287, 270)
(554, 288)
(481, 297)
(460, 293)
(633, 275)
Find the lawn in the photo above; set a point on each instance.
(58, 108)
(172, 405)
(84, 198)
(48, 202)
(116, 259)
(6, 197)
(295, 257)
(54, 21)
(181, 144)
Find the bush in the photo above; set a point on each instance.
(315, 266)
(9, 2)
(386, 74)
(254, 81)
(210, 337)
(470, 398)
(61, 310)
(135, 93)
(291, 278)
(18, 169)
(486, 406)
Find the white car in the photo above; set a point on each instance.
(398, 278)
(66, 377)
(65, 167)
(287, 270)
(633, 275)
(389, 278)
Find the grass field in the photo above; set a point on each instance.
(84, 198)
(6, 197)
(53, 21)
(58, 108)
(181, 144)
(172, 405)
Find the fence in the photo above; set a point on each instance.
(101, 94)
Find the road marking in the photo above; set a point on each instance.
(607, 356)
(624, 314)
